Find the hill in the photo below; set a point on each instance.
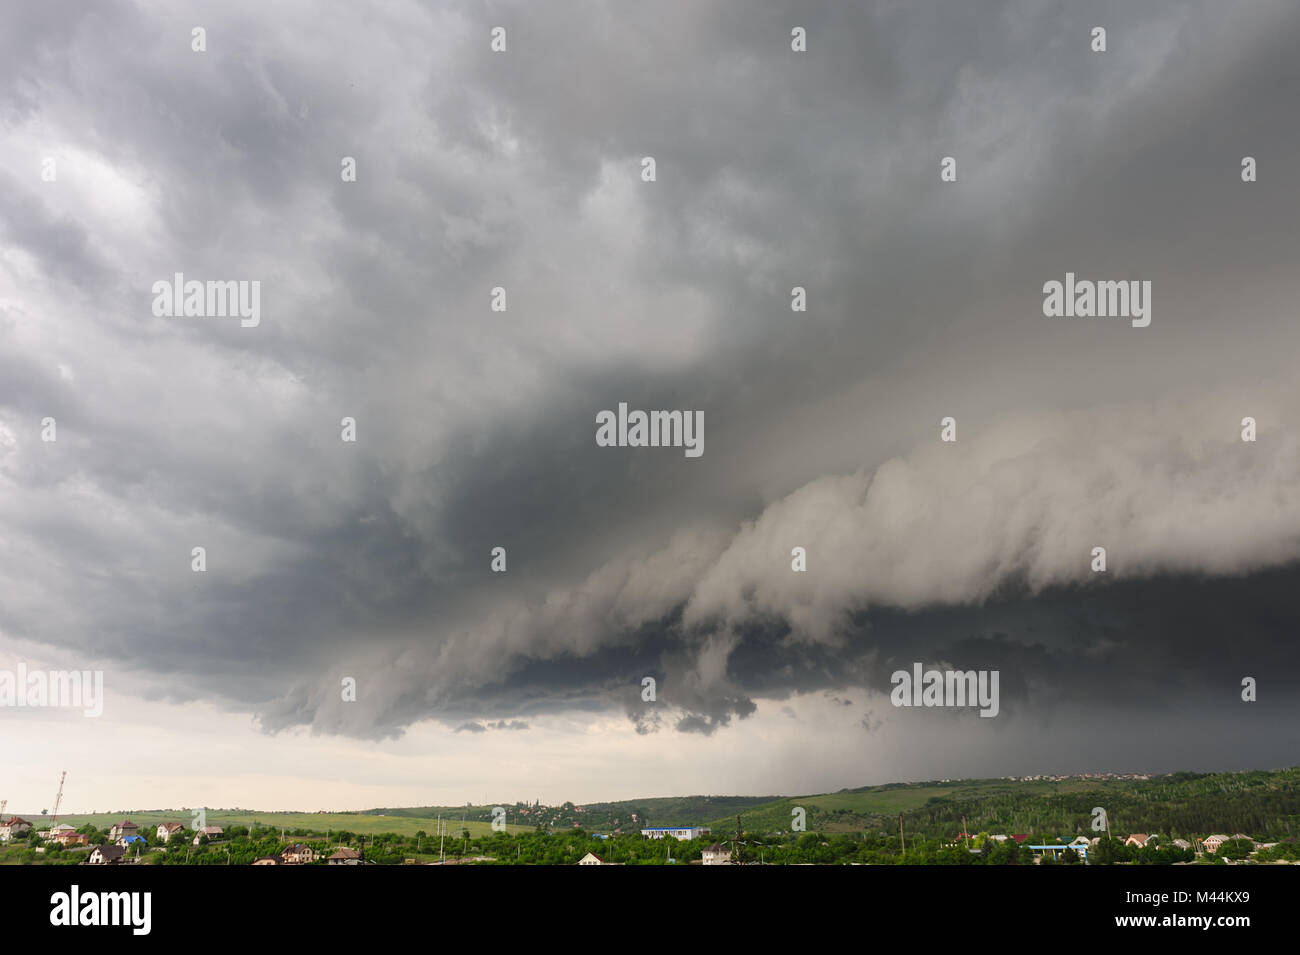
(1266, 803)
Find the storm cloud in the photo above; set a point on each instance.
(475, 428)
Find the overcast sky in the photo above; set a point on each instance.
(475, 428)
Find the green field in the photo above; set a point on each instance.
(365, 824)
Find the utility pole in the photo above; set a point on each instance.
(58, 799)
(900, 835)
(965, 831)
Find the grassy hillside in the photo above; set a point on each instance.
(1264, 804)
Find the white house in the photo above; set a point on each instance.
(717, 855)
(677, 832)
(13, 827)
(105, 855)
(591, 859)
(168, 829)
(299, 854)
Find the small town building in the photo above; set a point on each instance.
(124, 828)
(105, 855)
(299, 854)
(210, 831)
(1212, 843)
(14, 827)
(717, 855)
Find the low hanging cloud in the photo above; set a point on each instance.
(991, 520)
(1165, 489)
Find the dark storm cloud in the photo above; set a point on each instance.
(329, 560)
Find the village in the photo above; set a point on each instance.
(126, 843)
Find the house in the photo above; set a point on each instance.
(168, 829)
(1212, 843)
(126, 842)
(299, 854)
(1138, 839)
(1181, 844)
(677, 832)
(344, 855)
(105, 855)
(1021, 838)
(591, 859)
(124, 828)
(210, 831)
(716, 855)
(14, 827)
(71, 838)
(268, 860)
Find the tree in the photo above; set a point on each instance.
(1236, 849)
(1105, 853)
